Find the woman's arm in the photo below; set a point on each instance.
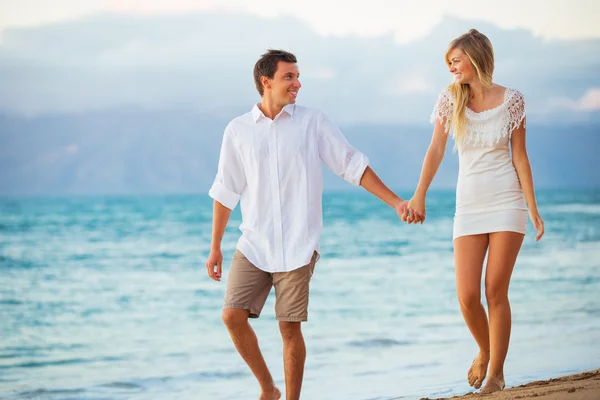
(431, 163)
(521, 163)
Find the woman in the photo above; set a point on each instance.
(493, 195)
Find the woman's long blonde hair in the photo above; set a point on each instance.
(481, 54)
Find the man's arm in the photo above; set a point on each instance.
(374, 185)
(226, 191)
(353, 166)
(215, 259)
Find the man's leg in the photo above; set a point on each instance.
(294, 355)
(247, 291)
(291, 308)
(246, 343)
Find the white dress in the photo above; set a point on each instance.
(489, 197)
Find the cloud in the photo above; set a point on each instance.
(203, 62)
(162, 6)
(406, 21)
(410, 83)
(322, 73)
(72, 149)
(590, 100)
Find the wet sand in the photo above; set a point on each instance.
(584, 386)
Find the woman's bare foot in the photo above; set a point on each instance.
(273, 394)
(493, 384)
(478, 370)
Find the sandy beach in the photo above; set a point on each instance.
(584, 386)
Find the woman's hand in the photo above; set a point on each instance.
(538, 224)
(415, 212)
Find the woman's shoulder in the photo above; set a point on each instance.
(446, 96)
(511, 95)
(514, 103)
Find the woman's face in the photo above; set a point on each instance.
(461, 67)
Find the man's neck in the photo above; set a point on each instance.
(269, 109)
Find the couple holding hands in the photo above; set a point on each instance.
(270, 162)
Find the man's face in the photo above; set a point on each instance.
(283, 88)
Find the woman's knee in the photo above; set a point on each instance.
(469, 299)
(496, 294)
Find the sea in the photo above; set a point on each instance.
(108, 298)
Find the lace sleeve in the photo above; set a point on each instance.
(516, 111)
(443, 110)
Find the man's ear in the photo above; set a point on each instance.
(264, 80)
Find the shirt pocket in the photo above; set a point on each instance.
(294, 147)
(254, 150)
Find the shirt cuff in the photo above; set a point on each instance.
(223, 195)
(358, 164)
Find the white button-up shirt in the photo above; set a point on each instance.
(273, 167)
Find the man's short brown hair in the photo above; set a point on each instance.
(267, 65)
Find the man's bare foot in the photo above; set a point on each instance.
(478, 370)
(274, 394)
(493, 384)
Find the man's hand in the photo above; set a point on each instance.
(215, 259)
(401, 206)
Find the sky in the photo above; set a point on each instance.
(407, 20)
(173, 72)
(361, 62)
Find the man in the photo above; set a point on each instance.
(270, 161)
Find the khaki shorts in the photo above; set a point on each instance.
(249, 286)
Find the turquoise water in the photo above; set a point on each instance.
(108, 298)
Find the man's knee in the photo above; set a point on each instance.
(233, 317)
(290, 330)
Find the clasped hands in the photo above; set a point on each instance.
(412, 211)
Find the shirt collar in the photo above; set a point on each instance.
(257, 113)
(290, 108)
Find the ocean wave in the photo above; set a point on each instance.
(122, 385)
(10, 302)
(17, 263)
(74, 296)
(52, 363)
(208, 376)
(577, 208)
(47, 393)
(379, 342)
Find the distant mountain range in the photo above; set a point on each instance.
(136, 152)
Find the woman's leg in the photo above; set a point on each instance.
(469, 254)
(503, 250)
